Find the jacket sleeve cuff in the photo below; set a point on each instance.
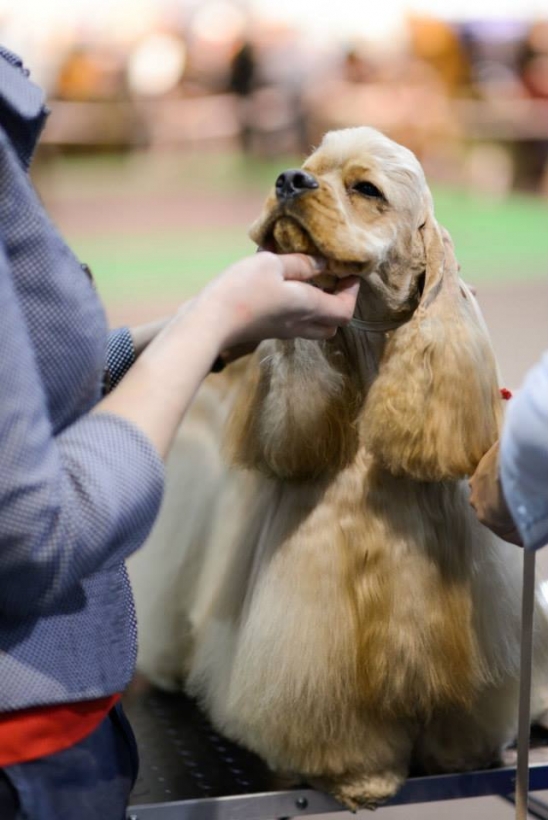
(524, 457)
(119, 358)
(528, 511)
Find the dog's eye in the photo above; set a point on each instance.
(368, 189)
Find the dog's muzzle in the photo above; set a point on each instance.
(293, 183)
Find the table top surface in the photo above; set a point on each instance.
(184, 759)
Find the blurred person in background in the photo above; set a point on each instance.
(82, 474)
(437, 44)
(356, 67)
(509, 489)
(91, 73)
(242, 82)
(532, 64)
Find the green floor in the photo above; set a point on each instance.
(495, 240)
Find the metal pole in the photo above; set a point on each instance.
(524, 720)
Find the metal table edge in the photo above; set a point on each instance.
(498, 782)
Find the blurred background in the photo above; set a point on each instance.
(172, 118)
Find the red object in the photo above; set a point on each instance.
(505, 394)
(32, 733)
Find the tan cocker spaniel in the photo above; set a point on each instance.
(328, 594)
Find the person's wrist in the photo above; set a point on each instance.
(218, 312)
(143, 335)
(206, 320)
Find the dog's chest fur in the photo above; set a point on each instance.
(398, 609)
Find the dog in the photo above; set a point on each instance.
(318, 580)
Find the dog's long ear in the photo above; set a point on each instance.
(435, 407)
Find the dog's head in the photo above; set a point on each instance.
(361, 202)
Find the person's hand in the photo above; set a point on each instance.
(267, 296)
(487, 499)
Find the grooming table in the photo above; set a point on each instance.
(189, 772)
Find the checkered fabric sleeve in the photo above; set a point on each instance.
(72, 502)
(120, 357)
(79, 490)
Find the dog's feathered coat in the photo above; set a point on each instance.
(340, 611)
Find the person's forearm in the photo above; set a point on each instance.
(260, 297)
(158, 389)
(142, 335)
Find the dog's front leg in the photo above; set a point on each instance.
(460, 740)
(381, 771)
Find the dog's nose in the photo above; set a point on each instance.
(293, 183)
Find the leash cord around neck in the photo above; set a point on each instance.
(377, 326)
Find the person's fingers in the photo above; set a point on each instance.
(300, 267)
(338, 307)
(347, 289)
(346, 294)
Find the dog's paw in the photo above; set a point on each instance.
(360, 790)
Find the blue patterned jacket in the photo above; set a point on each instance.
(78, 491)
